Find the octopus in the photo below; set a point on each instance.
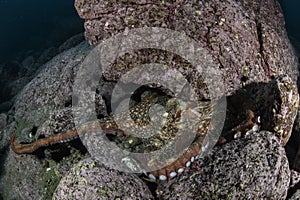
(241, 120)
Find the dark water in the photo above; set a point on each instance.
(34, 25)
(28, 27)
(292, 17)
(31, 25)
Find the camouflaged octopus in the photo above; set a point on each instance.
(170, 123)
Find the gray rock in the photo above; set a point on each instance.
(51, 89)
(252, 168)
(3, 120)
(71, 42)
(245, 40)
(296, 196)
(22, 177)
(277, 103)
(88, 180)
(254, 53)
(295, 178)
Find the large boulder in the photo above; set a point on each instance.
(252, 168)
(244, 40)
(88, 180)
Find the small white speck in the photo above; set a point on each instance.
(255, 128)
(248, 132)
(162, 177)
(192, 159)
(237, 136)
(165, 114)
(173, 174)
(151, 176)
(188, 164)
(290, 96)
(258, 119)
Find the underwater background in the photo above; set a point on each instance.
(32, 32)
(33, 25)
(292, 16)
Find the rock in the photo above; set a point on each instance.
(277, 103)
(296, 195)
(28, 62)
(245, 40)
(295, 178)
(3, 123)
(3, 120)
(293, 145)
(251, 168)
(88, 180)
(22, 177)
(52, 88)
(71, 42)
(29, 177)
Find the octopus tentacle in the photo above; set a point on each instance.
(19, 148)
(174, 167)
(170, 171)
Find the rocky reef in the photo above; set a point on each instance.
(245, 40)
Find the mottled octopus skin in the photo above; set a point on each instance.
(174, 167)
(19, 148)
(181, 163)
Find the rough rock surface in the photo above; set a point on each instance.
(277, 103)
(22, 177)
(29, 177)
(254, 168)
(294, 144)
(41, 109)
(49, 91)
(245, 40)
(88, 180)
(295, 178)
(296, 196)
(14, 75)
(3, 120)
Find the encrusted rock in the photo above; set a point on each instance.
(71, 42)
(252, 168)
(295, 196)
(294, 144)
(88, 180)
(22, 177)
(3, 120)
(49, 91)
(277, 103)
(295, 178)
(247, 40)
